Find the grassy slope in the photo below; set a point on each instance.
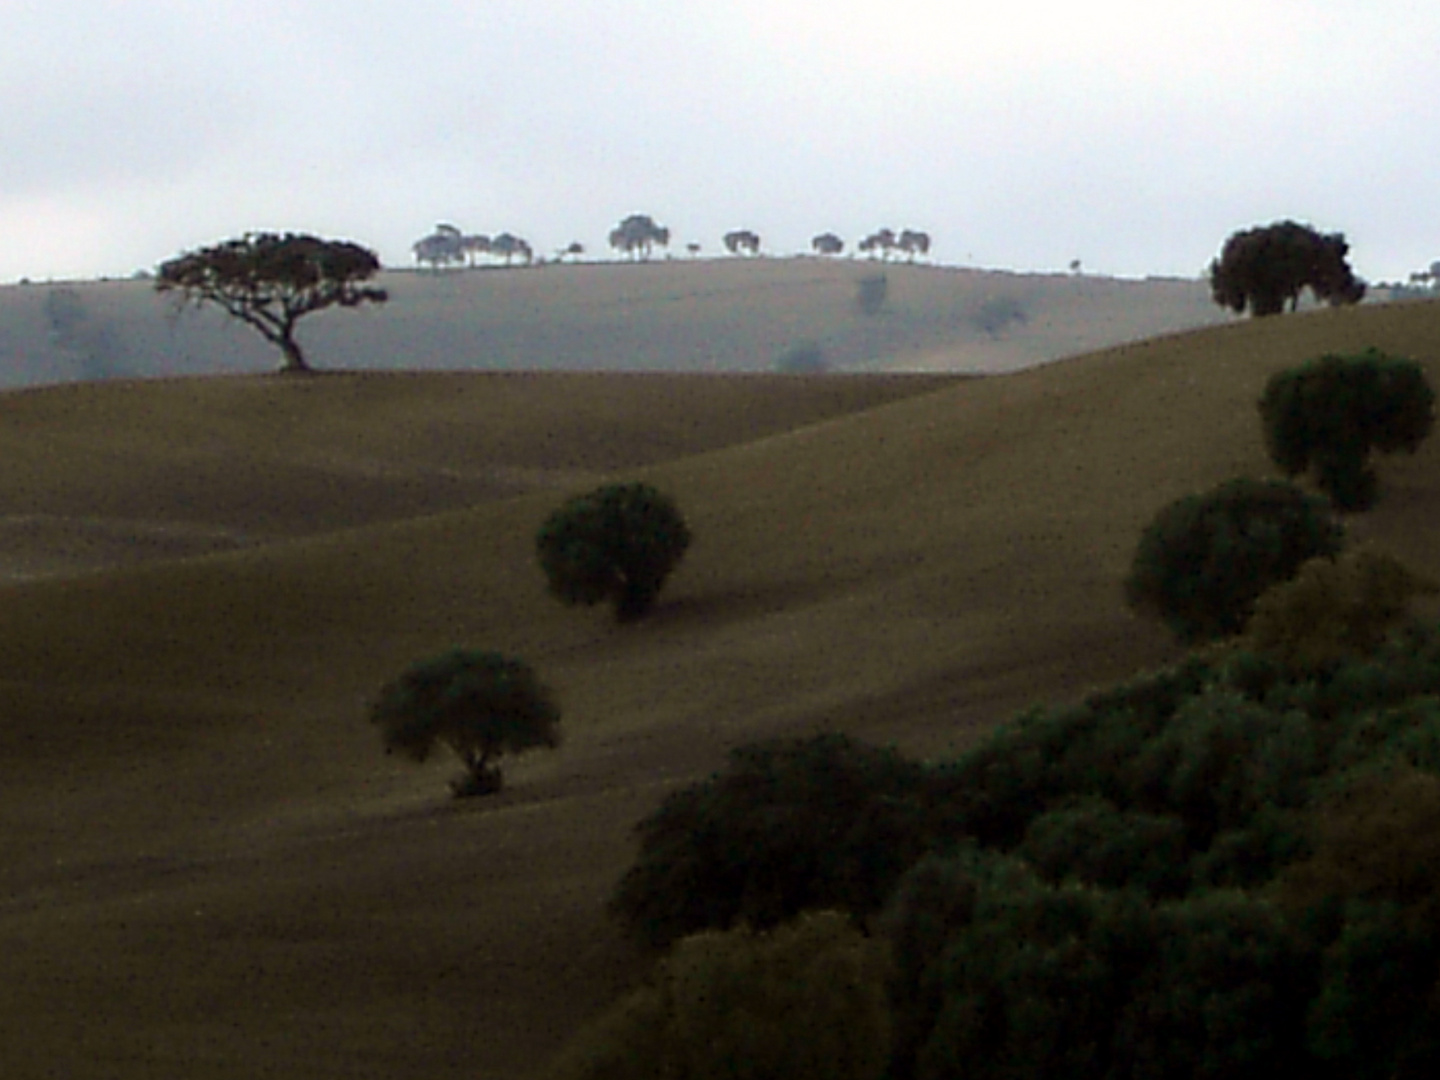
(211, 872)
(708, 315)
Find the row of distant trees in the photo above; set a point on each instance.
(448, 245)
(637, 237)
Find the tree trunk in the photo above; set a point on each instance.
(294, 363)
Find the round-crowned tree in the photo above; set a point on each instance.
(480, 704)
(1204, 559)
(616, 544)
(1331, 413)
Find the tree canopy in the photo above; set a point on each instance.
(618, 543)
(480, 704)
(827, 244)
(271, 281)
(739, 240)
(637, 236)
(1333, 412)
(1265, 267)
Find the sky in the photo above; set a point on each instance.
(1133, 136)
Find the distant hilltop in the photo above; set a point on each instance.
(799, 314)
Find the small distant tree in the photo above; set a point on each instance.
(1333, 412)
(742, 240)
(574, 250)
(883, 241)
(474, 245)
(1205, 559)
(913, 242)
(510, 247)
(692, 249)
(480, 704)
(616, 544)
(442, 247)
(271, 281)
(637, 236)
(827, 244)
(1264, 267)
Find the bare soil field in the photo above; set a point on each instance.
(209, 869)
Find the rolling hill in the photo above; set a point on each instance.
(209, 869)
(721, 315)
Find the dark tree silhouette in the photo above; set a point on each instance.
(271, 281)
(1264, 267)
(508, 247)
(471, 246)
(883, 241)
(742, 240)
(637, 236)
(443, 246)
(913, 242)
(480, 704)
(827, 244)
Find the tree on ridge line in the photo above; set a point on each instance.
(270, 281)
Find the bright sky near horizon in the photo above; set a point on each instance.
(1134, 136)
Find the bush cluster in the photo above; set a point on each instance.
(1205, 559)
(790, 825)
(1226, 868)
(805, 1001)
(1329, 415)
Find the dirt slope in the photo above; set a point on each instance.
(208, 868)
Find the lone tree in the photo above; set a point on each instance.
(618, 543)
(1205, 559)
(271, 281)
(1331, 413)
(914, 242)
(883, 241)
(637, 235)
(480, 704)
(744, 240)
(827, 244)
(1264, 267)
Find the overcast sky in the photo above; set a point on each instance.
(1133, 136)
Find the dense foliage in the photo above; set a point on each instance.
(791, 824)
(270, 281)
(1334, 609)
(616, 544)
(1227, 868)
(480, 704)
(1204, 559)
(1331, 413)
(1265, 267)
(804, 1002)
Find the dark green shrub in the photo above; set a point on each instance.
(480, 704)
(871, 293)
(1332, 413)
(996, 315)
(805, 1001)
(1205, 559)
(1224, 996)
(998, 975)
(792, 824)
(1095, 843)
(1376, 1015)
(617, 544)
(1333, 609)
(807, 358)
